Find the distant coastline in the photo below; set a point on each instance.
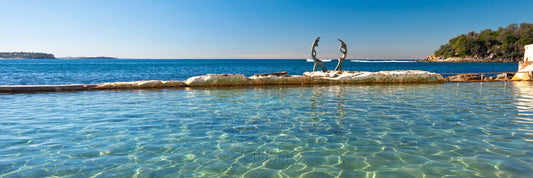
(38, 55)
(99, 57)
(25, 55)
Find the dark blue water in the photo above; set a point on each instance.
(56, 72)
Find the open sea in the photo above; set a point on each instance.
(59, 72)
(479, 129)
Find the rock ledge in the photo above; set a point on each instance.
(280, 78)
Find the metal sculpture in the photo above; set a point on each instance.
(343, 50)
(318, 62)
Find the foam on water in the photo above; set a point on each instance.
(417, 130)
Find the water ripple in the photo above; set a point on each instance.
(416, 130)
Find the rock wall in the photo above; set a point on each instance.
(141, 84)
(329, 77)
(319, 77)
(217, 80)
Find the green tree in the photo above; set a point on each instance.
(505, 43)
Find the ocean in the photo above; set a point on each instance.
(479, 129)
(58, 72)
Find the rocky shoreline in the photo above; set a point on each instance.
(476, 77)
(432, 58)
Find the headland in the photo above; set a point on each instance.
(25, 55)
(501, 45)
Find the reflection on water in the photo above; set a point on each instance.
(414, 130)
(524, 104)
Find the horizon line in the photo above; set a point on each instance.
(247, 58)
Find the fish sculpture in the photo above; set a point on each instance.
(319, 62)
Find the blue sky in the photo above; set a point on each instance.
(273, 29)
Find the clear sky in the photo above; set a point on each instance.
(251, 29)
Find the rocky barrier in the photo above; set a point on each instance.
(329, 77)
(140, 85)
(281, 78)
(476, 77)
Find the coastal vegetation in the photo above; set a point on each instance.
(502, 45)
(25, 55)
(34, 55)
(98, 57)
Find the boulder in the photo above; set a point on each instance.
(327, 74)
(141, 84)
(281, 80)
(218, 80)
(504, 76)
(464, 77)
(336, 77)
(283, 74)
(407, 76)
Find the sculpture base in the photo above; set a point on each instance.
(329, 77)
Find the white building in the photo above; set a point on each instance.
(525, 67)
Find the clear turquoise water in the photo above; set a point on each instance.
(417, 130)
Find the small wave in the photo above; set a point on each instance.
(376, 61)
(323, 60)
